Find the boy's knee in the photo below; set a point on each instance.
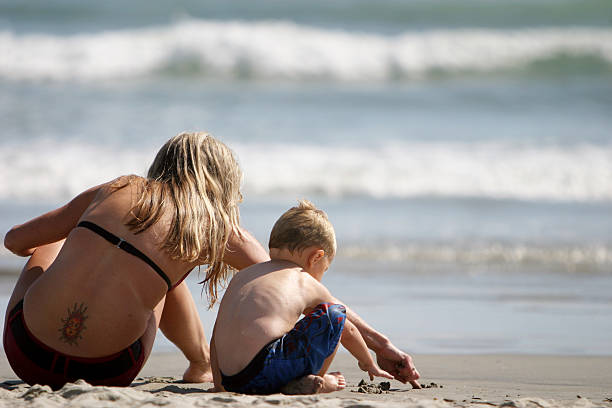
(337, 316)
(325, 318)
(337, 311)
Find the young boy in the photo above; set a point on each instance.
(257, 347)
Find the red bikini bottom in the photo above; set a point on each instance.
(37, 363)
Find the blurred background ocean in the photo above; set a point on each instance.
(462, 148)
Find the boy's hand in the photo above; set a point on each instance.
(374, 370)
(399, 364)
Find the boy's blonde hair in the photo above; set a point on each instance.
(302, 227)
(197, 179)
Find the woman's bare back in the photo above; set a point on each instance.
(96, 299)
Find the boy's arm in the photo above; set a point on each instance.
(389, 357)
(354, 343)
(351, 339)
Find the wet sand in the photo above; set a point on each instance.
(460, 381)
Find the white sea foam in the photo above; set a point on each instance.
(497, 170)
(51, 170)
(562, 258)
(494, 170)
(287, 50)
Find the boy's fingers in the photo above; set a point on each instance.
(379, 372)
(386, 375)
(415, 384)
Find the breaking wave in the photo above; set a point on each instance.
(292, 52)
(573, 259)
(494, 170)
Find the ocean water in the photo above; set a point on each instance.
(462, 149)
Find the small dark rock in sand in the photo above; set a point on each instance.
(372, 388)
(384, 387)
(164, 380)
(432, 385)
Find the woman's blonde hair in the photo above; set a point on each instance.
(197, 179)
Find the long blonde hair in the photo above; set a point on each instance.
(197, 178)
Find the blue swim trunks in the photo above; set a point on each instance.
(300, 352)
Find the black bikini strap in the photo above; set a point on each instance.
(126, 246)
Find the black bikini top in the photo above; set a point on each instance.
(127, 247)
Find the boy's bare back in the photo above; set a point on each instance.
(261, 304)
(258, 346)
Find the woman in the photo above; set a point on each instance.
(106, 270)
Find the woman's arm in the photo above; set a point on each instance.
(51, 227)
(244, 250)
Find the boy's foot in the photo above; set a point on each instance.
(198, 373)
(333, 382)
(309, 384)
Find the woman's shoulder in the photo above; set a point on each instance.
(125, 180)
(120, 183)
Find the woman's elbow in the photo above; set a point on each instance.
(9, 240)
(11, 243)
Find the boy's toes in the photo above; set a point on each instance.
(341, 381)
(333, 382)
(338, 375)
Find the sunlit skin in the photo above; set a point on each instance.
(263, 302)
(86, 263)
(72, 267)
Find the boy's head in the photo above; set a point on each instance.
(304, 227)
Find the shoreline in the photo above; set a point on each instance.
(460, 381)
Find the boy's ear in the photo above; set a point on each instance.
(315, 256)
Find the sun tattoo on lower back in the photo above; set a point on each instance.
(73, 325)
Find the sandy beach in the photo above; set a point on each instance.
(462, 150)
(460, 381)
